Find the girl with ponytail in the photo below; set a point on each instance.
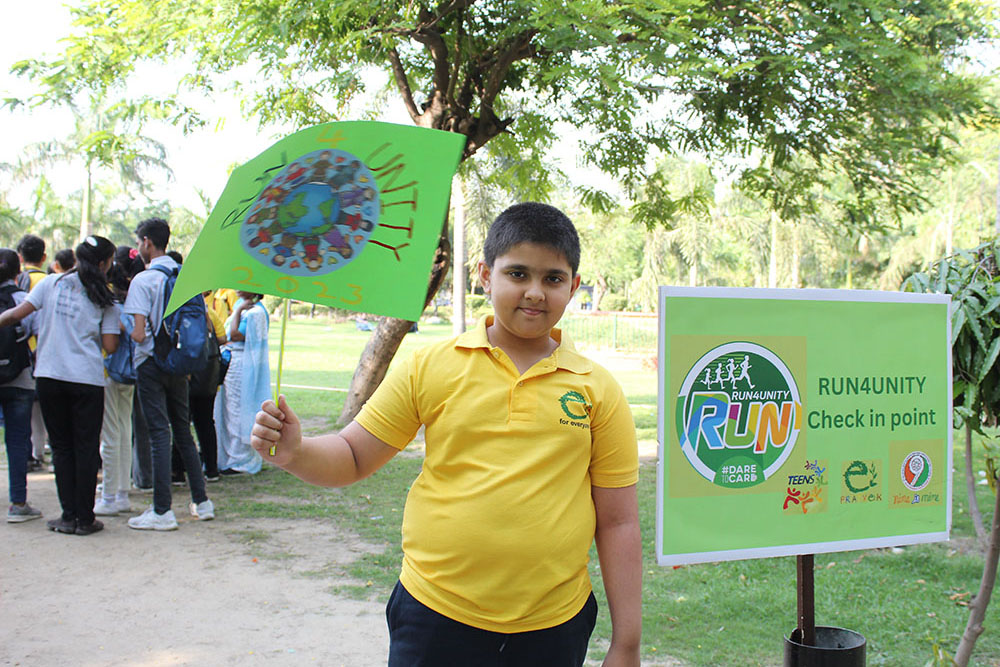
(77, 320)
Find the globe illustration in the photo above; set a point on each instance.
(309, 209)
(315, 216)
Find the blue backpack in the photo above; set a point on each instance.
(119, 363)
(179, 345)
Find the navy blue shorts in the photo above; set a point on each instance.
(421, 637)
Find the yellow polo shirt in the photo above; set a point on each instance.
(497, 527)
(223, 300)
(35, 276)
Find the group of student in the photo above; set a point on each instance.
(530, 448)
(103, 399)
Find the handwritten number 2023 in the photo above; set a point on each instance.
(288, 285)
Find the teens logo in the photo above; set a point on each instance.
(575, 406)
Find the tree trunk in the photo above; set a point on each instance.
(85, 206)
(458, 265)
(998, 197)
(600, 289)
(970, 485)
(979, 604)
(796, 257)
(772, 264)
(386, 338)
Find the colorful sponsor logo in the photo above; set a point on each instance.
(738, 414)
(916, 471)
(861, 482)
(806, 491)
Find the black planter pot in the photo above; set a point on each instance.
(835, 647)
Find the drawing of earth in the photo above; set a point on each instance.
(315, 216)
(310, 209)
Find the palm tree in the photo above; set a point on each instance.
(102, 141)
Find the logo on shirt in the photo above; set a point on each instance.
(738, 414)
(574, 405)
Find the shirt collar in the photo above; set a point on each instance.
(565, 356)
(166, 260)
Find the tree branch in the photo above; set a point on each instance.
(403, 83)
(519, 48)
(434, 42)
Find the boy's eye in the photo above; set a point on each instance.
(555, 279)
(515, 274)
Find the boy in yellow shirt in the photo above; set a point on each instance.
(530, 457)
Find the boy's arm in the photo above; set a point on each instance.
(139, 328)
(619, 548)
(334, 459)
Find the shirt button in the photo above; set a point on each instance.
(520, 384)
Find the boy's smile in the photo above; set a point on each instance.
(530, 286)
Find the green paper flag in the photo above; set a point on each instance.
(340, 214)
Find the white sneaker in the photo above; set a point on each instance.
(123, 505)
(150, 520)
(104, 508)
(203, 511)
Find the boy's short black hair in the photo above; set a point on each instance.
(10, 265)
(31, 248)
(156, 230)
(66, 259)
(532, 222)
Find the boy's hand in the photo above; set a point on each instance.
(276, 426)
(621, 657)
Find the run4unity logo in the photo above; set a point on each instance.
(738, 414)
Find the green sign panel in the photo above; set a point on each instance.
(801, 421)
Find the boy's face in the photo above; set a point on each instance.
(143, 244)
(530, 286)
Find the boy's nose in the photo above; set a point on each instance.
(534, 292)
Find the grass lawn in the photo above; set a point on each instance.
(904, 601)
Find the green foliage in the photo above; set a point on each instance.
(972, 278)
(866, 89)
(477, 305)
(615, 302)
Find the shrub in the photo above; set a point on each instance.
(613, 302)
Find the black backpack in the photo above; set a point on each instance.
(15, 355)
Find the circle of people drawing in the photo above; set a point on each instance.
(315, 217)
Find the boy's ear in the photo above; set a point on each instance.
(574, 285)
(484, 272)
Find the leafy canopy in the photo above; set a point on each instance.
(865, 88)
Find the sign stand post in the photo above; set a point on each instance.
(806, 597)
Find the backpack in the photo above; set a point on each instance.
(205, 382)
(119, 363)
(15, 355)
(24, 278)
(179, 344)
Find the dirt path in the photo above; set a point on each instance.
(195, 596)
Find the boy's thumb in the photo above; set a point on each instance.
(290, 415)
